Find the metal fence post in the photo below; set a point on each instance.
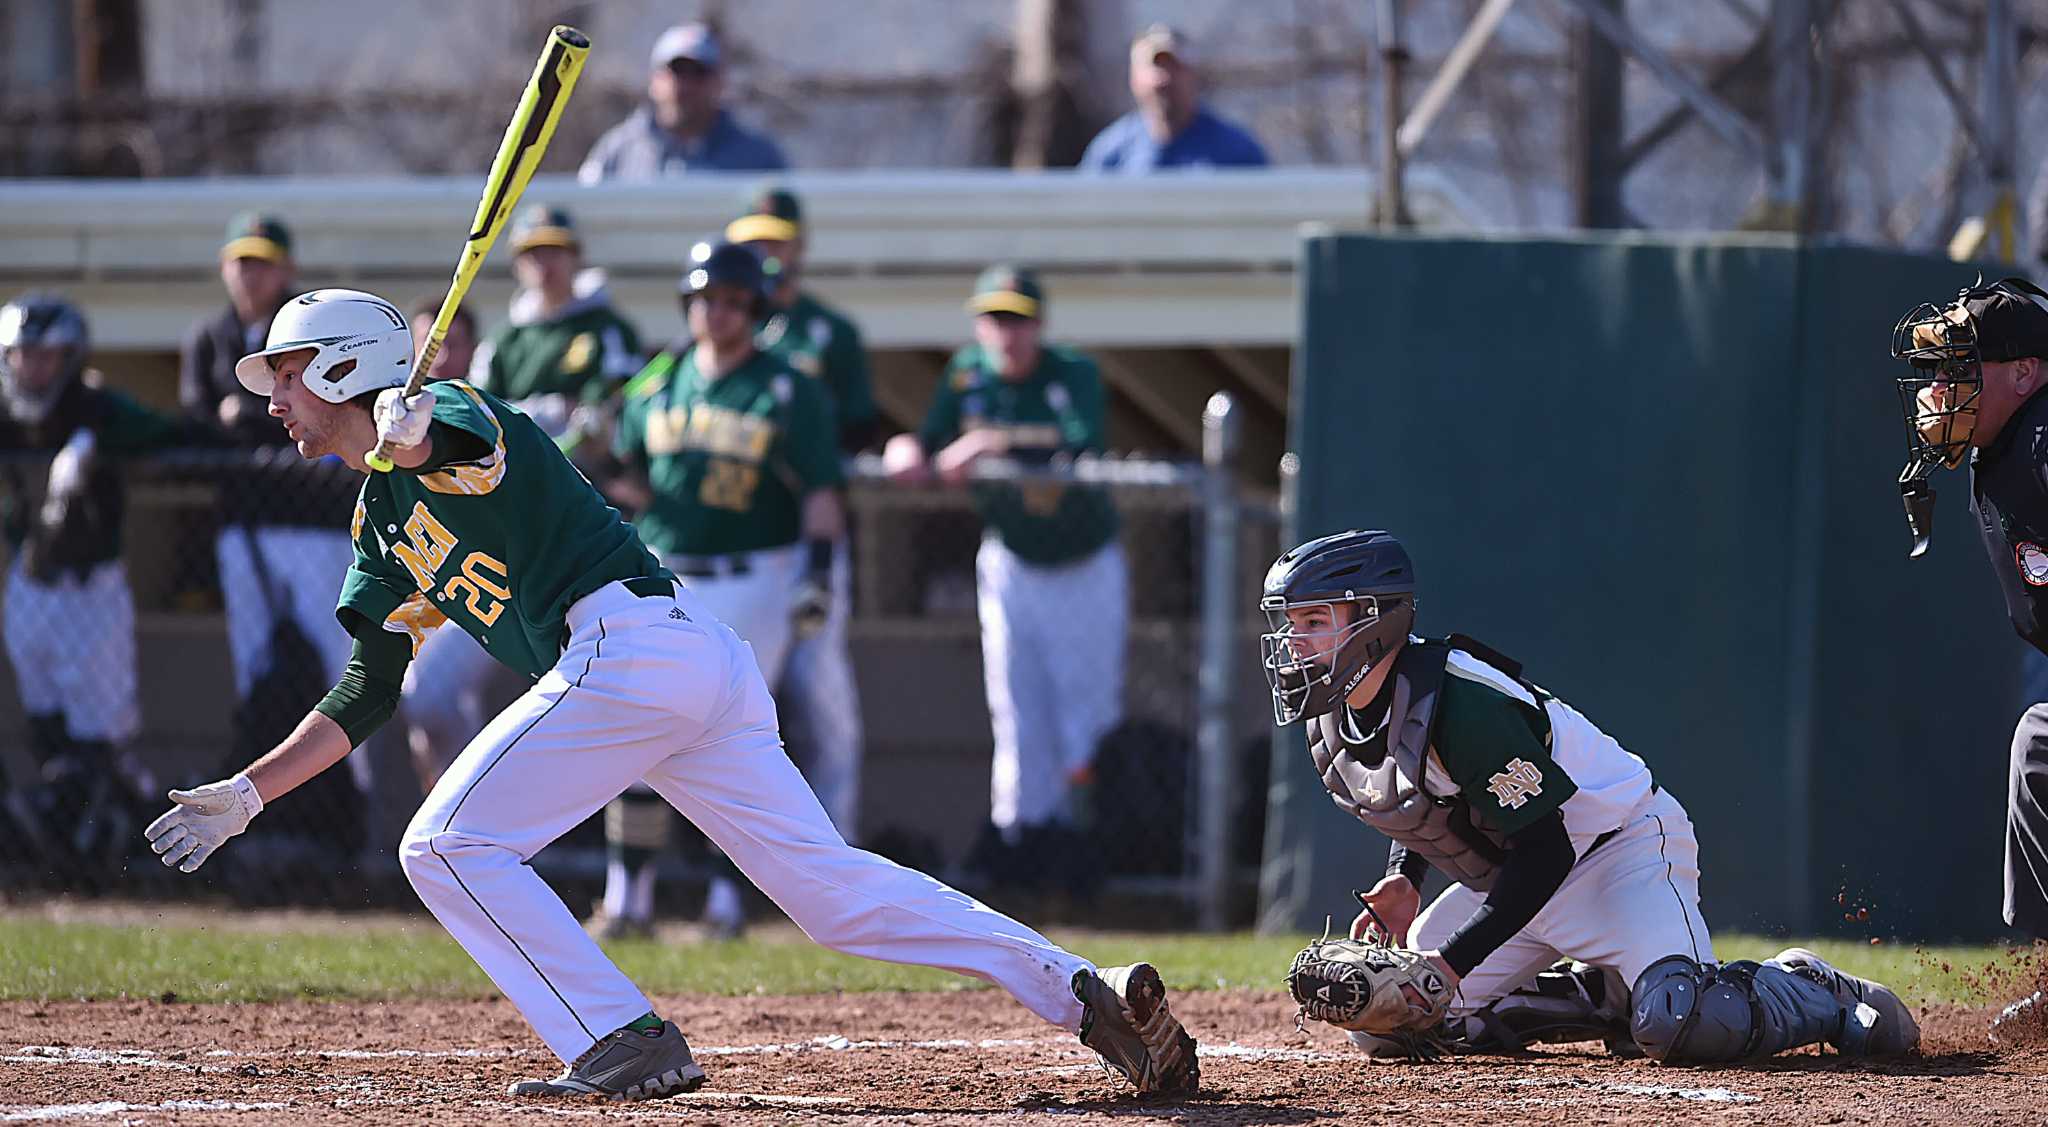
(1216, 679)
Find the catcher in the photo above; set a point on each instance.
(1557, 841)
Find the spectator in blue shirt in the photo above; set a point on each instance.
(682, 128)
(1170, 128)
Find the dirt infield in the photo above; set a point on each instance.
(916, 1058)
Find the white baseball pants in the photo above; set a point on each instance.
(820, 701)
(72, 645)
(1627, 904)
(305, 566)
(657, 689)
(1052, 653)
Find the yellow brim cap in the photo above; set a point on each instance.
(254, 246)
(757, 228)
(1003, 301)
(546, 237)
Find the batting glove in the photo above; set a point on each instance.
(401, 420)
(203, 818)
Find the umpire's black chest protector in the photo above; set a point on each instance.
(2009, 494)
(1380, 777)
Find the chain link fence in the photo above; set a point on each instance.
(1077, 769)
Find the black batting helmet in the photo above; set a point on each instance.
(40, 320)
(723, 263)
(1366, 571)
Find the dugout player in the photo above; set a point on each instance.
(69, 613)
(817, 697)
(280, 543)
(1971, 393)
(1557, 841)
(484, 522)
(1050, 577)
(564, 352)
(729, 463)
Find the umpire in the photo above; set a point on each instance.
(1972, 394)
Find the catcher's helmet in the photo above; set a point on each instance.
(40, 320)
(723, 263)
(339, 326)
(1366, 571)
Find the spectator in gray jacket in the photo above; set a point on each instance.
(683, 127)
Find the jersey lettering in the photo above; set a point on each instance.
(430, 543)
(1516, 784)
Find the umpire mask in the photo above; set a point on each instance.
(1311, 670)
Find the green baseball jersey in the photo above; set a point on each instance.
(501, 545)
(819, 342)
(729, 459)
(1497, 750)
(1059, 407)
(585, 355)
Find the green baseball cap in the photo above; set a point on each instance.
(772, 213)
(254, 235)
(1008, 289)
(544, 225)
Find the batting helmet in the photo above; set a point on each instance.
(723, 263)
(339, 326)
(40, 320)
(1368, 572)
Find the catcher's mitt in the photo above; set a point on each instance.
(1355, 984)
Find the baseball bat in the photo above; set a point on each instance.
(525, 142)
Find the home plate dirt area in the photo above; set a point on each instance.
(927, 1058)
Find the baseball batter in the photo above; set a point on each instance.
(728, 461)
(1558, 842)
(486, 523)
(1050, 577)
(817, 696)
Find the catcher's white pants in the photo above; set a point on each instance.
(72, 645)
(1632, 901)
(657, 689)
(819, 699)
(1052, 654)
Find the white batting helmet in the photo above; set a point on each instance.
(338, 325)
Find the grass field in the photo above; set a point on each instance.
(144, 952)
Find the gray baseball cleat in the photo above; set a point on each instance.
(625, 1065)
(1127, 1022)
(1895, 1031)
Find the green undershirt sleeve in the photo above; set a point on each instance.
(367, 694)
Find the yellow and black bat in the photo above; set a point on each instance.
(526, 140)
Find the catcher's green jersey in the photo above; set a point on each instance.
(501, 545)
(729, 459)
(1058, 408)
(817, 341)
(1496, 749)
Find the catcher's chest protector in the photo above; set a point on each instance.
(1378, 777)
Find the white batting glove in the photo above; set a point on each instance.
(203, 818)
(403, 421)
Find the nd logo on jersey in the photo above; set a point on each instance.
(1515, 783)
(483, 583)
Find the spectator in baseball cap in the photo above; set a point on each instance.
(683, 127)
(1170, 128)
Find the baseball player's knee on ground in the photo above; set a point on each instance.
(1686, 1013)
